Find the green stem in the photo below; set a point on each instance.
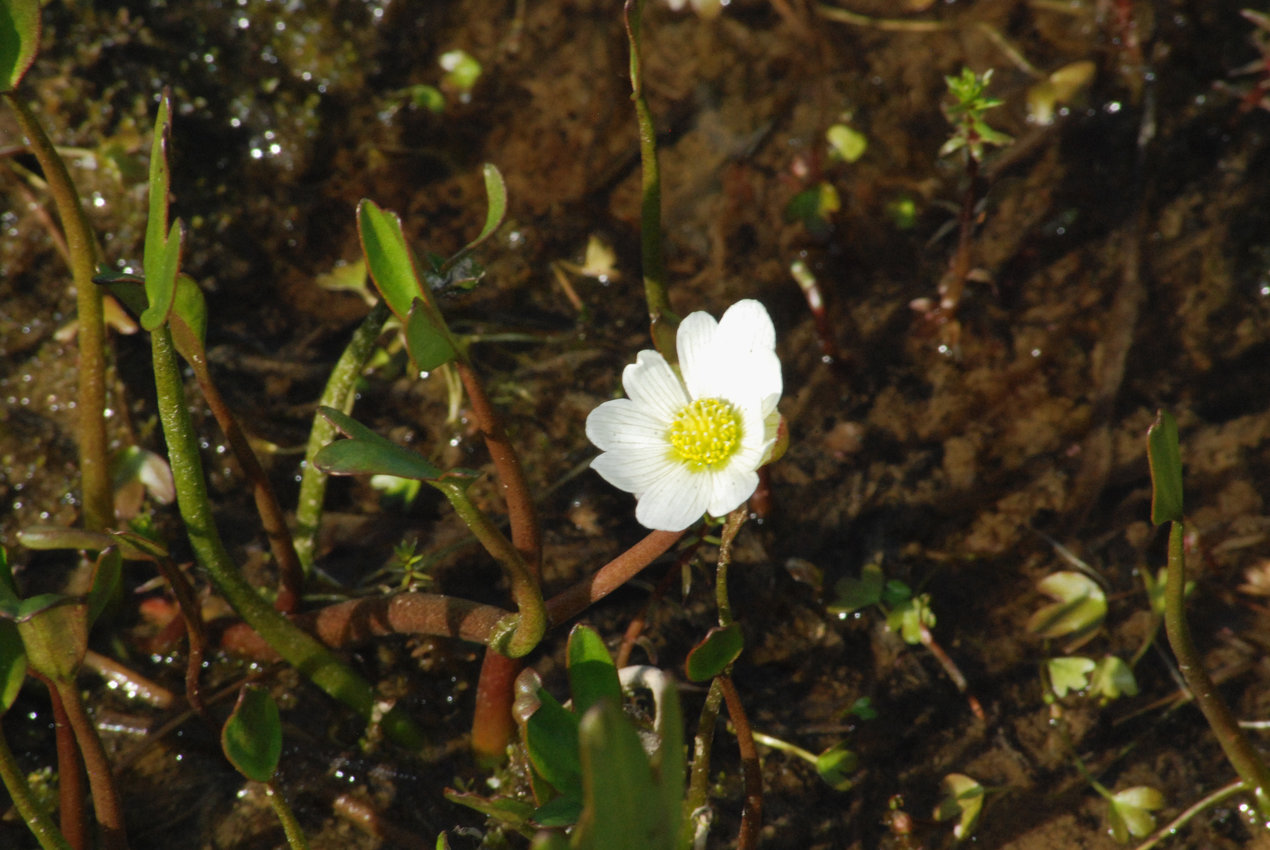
(662, 319)
(531, 623)
(1239, 751)
(731, 526)
(339, 395)
(784, 746)
(1170, 829)
(37, 820)
(94, 464)
(290, 826)
(299, 648)
(698, 796)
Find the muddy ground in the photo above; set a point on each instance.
(1119, 263)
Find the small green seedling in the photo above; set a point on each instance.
(1069, 674)
(252, 741)
(961, 798)
(1078, 611)
(1129, 812)
(970, 129)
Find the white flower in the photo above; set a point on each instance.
(690, 440)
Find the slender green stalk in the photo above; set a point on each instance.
(531, 623)
(94, 464)
(1239, 751)
(662, 319)
(290, 826)
(731, 526)
(698, 796)
(339, 394)
(299, 648)
(1170, 829)
(37, 820)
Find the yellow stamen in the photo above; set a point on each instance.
(705, 434)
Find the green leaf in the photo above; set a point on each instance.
(54, 630)
(962, 799)
(429, 346)
(709, 658)
(496, 196)
(620, 785)
(506, 810)
(846, 143)
(835, 766)
(252, 736)
(1069, 674)
(12, 664)
(1113, 678)
(391, 263)
(559, 811)
(367, 453)
(1130, 812)
(162, 255)
(910, 616)
(856, 593)
(551, 740)
(1078, 612)
(19, 40)
(1165, 458)
(190, 307)
(107, 581)
(592, 674)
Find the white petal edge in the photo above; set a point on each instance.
(622, 423)
(651, 381)
(634, 471)
(730, 488)
(674, 502)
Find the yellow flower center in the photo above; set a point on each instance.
(705, 433)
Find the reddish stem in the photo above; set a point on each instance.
(101, 781)
(573, 601)
(752, 812)
(70, 777)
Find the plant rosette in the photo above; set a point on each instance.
(689, 439)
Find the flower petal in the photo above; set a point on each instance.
(622, 423)
(634, 470)
(675, 501)
(730, 488)
(698, 354)
(746, 328)
(650, 381)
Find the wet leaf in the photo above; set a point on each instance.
(1129, 812)
(392, 264)
(19, 40)
(551, 740)
(107, 581)
(720, 647)
(962, 799)
(54, 630)
(1165, 459)
(12, 664)
(1113, 678)
(252, 736)
(592, 674)
(162, 254)
(1069, 674)
(429, 346)
(1078, 612)
(367, 453)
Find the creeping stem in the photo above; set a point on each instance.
(301, 650)
(99, 506)
(1239, 751)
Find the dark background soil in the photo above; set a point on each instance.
(1122, 259)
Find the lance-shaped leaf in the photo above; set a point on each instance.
(496, 196)
(12, 655)
(162, 256)
(367, 453)
(252, 736)
(429, 346)
(19, 39)
(592, 674)
(1165, 458)
(721, 646)
(1078, 612)
(550, 734)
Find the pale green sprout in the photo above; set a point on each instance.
(1078, 611)
(1113, 678)
(1069, 674)
(962, 798)
(1129, 812)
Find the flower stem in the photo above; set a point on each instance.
(70, 775)
(101, 781)
(300, 649)
(37, 820)
(94, 465)
(1239, 752)
(339, 395)
(652, 254)
(698, 797)
(752, 810)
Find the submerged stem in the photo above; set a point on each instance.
(37, 820)
(1239, 751)
(94, 463)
